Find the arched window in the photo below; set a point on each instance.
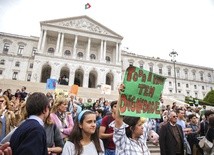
(67, 52)
(108, 59)
(80, 55)
(92, 56)
(51, 50)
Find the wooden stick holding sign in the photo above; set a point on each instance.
(142, 92)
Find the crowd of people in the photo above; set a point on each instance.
(41, 124)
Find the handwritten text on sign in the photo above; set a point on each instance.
(142, 93)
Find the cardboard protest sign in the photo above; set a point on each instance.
(51, 84)
(74, 89)
(142, 93)
(105, 89)
(61, 93)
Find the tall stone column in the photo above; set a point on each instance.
(40, 40)
(104, 51)
(85, 80)
(75, 47)
(88, 49)
(61, 44)
(44, 40)
(58, 44)
(101, 51)
(116, 54)
(71, 77)
(119, 53)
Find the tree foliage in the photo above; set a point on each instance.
(210, 97)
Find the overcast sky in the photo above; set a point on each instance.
(149, 27)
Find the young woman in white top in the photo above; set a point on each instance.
(84, 139)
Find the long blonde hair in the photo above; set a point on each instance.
(58, 101)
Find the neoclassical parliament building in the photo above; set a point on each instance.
(89, 54)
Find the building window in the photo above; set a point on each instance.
(15, 75)
(169, 72)
(28, 77)
(209, 77)
(20, 50)
(202, 87)
(178, 73)
(151, 68)
(51, 50)
(6, 48)
(195, 86)
(92, 56)
(170, 90)
(108, 59)
(196, 95)
(202, 76)
(1, 72)
(160, 70)
(194, 75)
(187, 93)
(170, 83)
(34, 50)
(186, 74)
(141, 66)
(2, 62)
(80, 55)
(17, 64)
(67, 53)
(179, 91)
(179, 84)
(31, 65)
(187, 85)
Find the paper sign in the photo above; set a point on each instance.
(51, 84)
(105, 89)
(61, 93)
(74, 89)
(142, 93)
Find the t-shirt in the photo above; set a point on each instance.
(105, 122)
(89, 149)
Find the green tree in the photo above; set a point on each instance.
(210, 97)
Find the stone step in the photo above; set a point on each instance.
(154, 149)
(85, 93)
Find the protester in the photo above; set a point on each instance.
(30, 137)
(128, 134)
(192, 137)
(84, 140)
(7, 117)
(210, 135)
(171, 137)
(54, 139)
(106, 132)
(61, 118)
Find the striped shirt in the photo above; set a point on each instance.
(128, 146)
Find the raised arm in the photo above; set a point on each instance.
(118, 118)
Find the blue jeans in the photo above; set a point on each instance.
(109, 152)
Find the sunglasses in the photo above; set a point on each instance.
(174, 116)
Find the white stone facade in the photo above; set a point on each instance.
(89, 54)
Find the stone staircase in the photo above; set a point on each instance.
(85, 93)
(154, 150)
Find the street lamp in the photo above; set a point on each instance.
(173, 55)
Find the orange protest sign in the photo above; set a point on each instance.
(74, 89)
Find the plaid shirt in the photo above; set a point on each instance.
(128, 146)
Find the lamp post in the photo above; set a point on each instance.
(173, 55)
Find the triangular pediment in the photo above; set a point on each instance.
(83, 23)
